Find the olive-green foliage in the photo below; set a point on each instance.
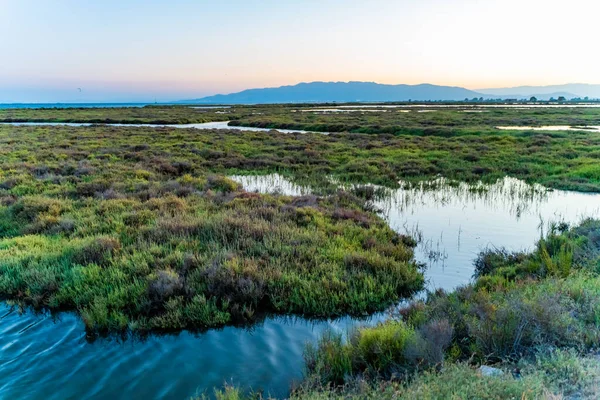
(133, 230)
(123, 115)
(519, 304)
(556, 255)
(549, 374)
(410, 146)
(377, 350)
(422, 120)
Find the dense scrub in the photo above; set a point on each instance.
(521, 310)
(551, 374)
(129, 228)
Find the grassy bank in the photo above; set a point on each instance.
(411, 119)
(532, 317)
(551, 374)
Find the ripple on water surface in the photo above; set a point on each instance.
(49, 358)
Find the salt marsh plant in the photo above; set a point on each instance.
(134, 238)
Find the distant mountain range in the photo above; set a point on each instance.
(570, 90)
(347, 92)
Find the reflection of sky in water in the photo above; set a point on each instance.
(45, 358)
(456, 222)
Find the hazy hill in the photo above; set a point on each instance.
(569, 91)
(341, 92)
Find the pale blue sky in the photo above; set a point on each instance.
(139, 50)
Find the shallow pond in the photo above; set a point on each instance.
(48, 358)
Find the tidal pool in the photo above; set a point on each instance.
(49, 357)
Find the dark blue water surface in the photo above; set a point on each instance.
(45, 357)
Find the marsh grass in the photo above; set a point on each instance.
(134, 232)
(383, 149)
(550, 374)
(535, 313)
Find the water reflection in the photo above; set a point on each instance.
(453, 221)
(50, 358)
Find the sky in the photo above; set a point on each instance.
(147, 50)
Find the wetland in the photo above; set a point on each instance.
(131, 245)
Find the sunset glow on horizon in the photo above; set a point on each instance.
(137, 50)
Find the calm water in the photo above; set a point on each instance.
(46, 358)
(206, 125)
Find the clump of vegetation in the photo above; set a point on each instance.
(134, 237)
(550, 374)
(534, 316)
